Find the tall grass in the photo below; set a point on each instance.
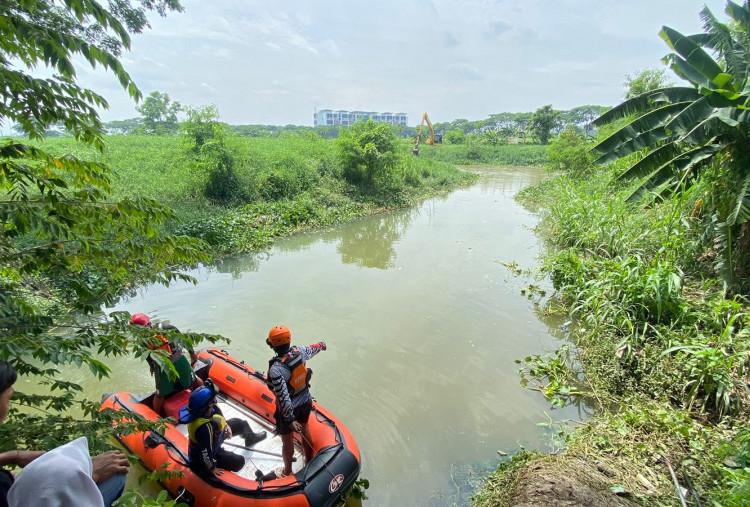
(657, 334)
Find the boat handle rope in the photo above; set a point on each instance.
(242, 366)
(325, 465)
(165, 442)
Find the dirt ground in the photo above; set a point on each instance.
(565, 483)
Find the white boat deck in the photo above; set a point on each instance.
(272, 443)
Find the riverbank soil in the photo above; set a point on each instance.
(559, 480)
(563, 481)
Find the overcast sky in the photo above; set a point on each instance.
(274, 62)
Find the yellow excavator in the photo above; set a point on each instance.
(434, 138)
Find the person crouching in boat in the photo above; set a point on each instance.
(166, 387)
(290, 380)
(207, 430)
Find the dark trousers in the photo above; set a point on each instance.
(227, 459)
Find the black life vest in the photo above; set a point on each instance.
(299, 374)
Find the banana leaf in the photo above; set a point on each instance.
(726, 123)
(647, 139)
(717, 35)
(707, 131)
(690, 117)
(741, 212)
(738, 115)
(682, 164)
(693, 54)
(687, 72)
(647, 101)
(739, 13)
(653, 161)
(649, 121)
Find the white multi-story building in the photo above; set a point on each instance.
(345, 118)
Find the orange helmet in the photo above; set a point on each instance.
(278, 336)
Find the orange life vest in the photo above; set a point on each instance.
(162, 345)
(299, 374)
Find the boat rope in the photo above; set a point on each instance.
(251, 449)
(333, 476)
(166, 443)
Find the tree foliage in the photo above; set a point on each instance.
(368, 151)
(644, 81)
(202, 126)
(60, 231)
(206, 137)
(455, 136)
(543, 121)
(159, 114)
(569, 153)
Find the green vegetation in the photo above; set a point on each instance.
(368, 152)
(543, 121)
(496, 129)
(281, 185)
(67, 244)
(696, 131)
(159, 114)
(569, 153)
(477, 153)
(661, 331)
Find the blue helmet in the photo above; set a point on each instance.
(198, 402)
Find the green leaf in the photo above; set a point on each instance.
(741, 212)
(646, 102)
(692, 53)
(649, 121)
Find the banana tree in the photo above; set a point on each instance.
(684, 129)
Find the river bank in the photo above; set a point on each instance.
(658, 346)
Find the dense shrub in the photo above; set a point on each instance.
(569, 152)
(368, 152)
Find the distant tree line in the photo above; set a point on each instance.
(161, 116)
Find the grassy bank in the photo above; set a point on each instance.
(659, 348)
(473, 153)
(286, 184)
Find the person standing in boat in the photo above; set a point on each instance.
(290, 380)
(207, 430)
(165, 386)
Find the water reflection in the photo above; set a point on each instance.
(236, 266)
(371, 243)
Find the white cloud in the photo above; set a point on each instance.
(210, 88)
(563, 67)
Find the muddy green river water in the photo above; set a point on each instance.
(423, 324)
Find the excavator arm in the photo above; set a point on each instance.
(432, 140)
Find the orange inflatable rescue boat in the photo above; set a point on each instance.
(244, 393)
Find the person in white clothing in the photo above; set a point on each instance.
(61, 477)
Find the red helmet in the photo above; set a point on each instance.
(140, 319)
(278, 336)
